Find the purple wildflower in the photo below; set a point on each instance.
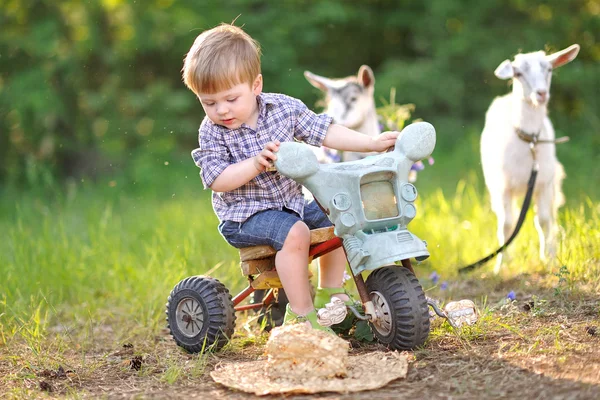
(444, 285)
(434, 277)
(511, 295)
(332, 155)
(418, 166)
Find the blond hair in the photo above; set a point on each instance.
(221, 58)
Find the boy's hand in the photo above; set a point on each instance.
(264, 160)
(385, 141)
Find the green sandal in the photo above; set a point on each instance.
(332, 310)
(323, 298)
(291, 317)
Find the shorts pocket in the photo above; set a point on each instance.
(233, 234)
(228, 228)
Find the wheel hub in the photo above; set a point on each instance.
(383, 323)
(189, 316)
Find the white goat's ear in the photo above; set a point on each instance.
(366, 76)
(562, 57)
(317, 81)
(504, 70)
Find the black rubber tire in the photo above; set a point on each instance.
(207, 305)
(397, 294)
(272, 315)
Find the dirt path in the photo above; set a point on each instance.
(550, 350)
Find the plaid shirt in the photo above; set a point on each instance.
(279, 117)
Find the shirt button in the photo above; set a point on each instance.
(278, 177)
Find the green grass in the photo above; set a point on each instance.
(94, 258)
(461, 229)
(97, 255)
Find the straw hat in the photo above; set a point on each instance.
(300, 359)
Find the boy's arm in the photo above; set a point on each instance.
(235, 176)
(217, 171)
(238, 174)
(341, 138)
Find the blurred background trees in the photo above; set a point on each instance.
(93, 88)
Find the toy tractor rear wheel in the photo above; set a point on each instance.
(401, 307)
(200, 314)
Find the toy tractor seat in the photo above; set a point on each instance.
(258, 262)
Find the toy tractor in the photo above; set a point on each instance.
(370, 203)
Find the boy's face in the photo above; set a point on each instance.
(235, 106)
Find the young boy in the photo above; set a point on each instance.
(239, 139)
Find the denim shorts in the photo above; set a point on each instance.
(271, 227)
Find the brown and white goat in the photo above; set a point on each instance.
(351, 103)
(511, 122)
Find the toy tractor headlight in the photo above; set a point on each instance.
(378, 196)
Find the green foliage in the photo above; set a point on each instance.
(393, 116)
(85, 87)
(363, 332)
(101, 208)
(563, 278)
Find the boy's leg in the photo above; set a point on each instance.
(331, 298)
(286, 233)
(333, 264)
(290, 236)
(331, 271)
(292, 267)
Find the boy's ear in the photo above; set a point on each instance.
(257, 86)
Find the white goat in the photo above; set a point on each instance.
(511, 123)
(350, 101)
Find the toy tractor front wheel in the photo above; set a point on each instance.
(401, 307)
(200, 314)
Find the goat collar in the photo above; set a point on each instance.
(534, 137)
